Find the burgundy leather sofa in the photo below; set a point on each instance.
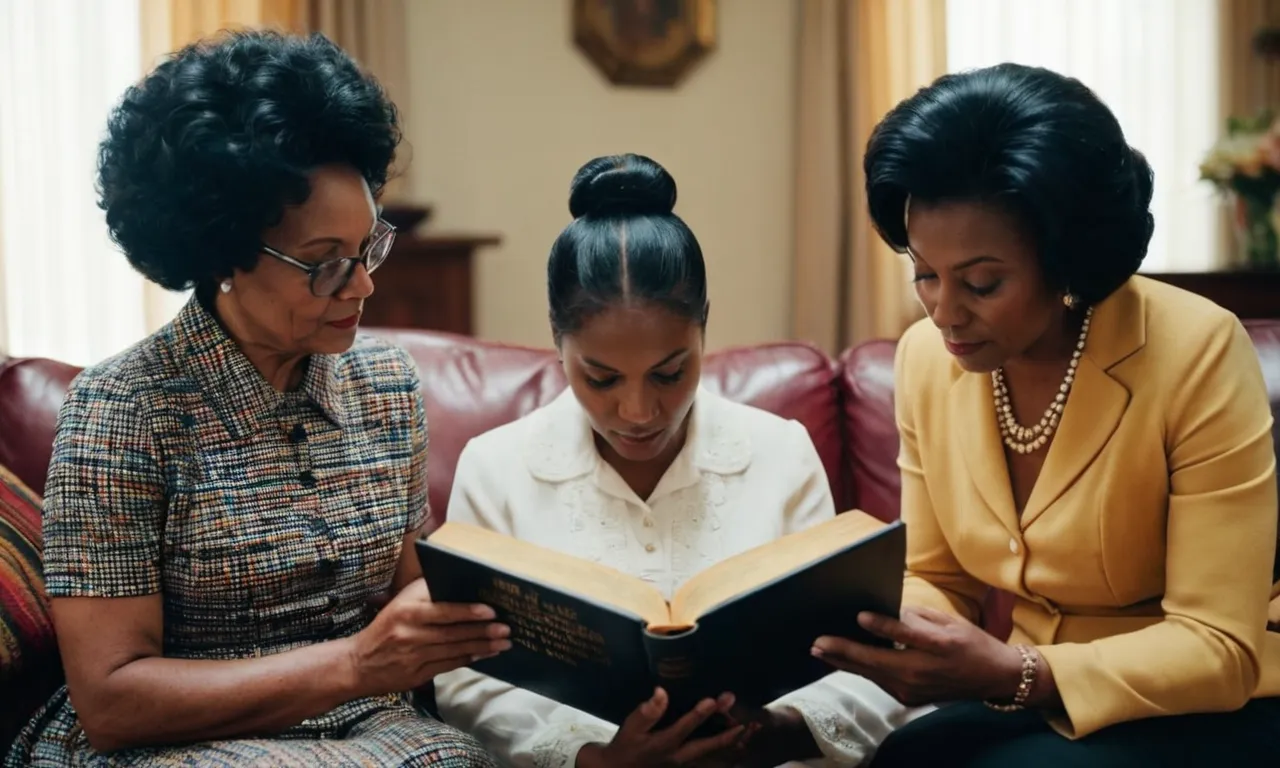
(470, 386)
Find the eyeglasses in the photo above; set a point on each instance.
(329, 277)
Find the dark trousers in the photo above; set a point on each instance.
(971, 735)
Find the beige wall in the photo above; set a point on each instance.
(506, 109)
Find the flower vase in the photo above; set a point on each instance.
(1256, 223)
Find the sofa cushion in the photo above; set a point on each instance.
(471, 386)
(31, 393)
(870, 431)
(793, 380)
(29, 666)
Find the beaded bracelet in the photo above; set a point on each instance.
(1029, 668)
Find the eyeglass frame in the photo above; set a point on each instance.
(313, 268)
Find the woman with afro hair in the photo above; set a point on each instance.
(228, 499)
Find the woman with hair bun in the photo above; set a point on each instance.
(638, 466)
(1093, 442)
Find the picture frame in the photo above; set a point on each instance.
(649, 43)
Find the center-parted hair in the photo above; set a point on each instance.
(1037, 144)
(624, 244)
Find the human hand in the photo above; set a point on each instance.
(637, 745)
(776, 736)
(413, 639)
(937, 657)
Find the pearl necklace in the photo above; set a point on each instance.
(1030, 439)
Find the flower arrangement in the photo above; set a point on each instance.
(1245, 165)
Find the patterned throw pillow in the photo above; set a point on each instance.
(30, 670)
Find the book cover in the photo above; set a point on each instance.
(599, 640)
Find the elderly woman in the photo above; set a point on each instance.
(1094, 442)
(226, 497)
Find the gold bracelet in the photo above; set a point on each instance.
(1028, 681)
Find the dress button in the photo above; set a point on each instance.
(1013, 546)
(649, 548)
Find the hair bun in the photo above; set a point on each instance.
(622, 185)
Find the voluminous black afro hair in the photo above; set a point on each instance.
(204, 154)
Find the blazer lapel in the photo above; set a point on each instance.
(977, 439)
(1097, 401)
(1094, 408)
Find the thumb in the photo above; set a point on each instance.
(644, 717)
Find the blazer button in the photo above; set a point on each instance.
(1013, 546)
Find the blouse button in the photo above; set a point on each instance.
(649, 548)
(1013, 546)
(648, 522)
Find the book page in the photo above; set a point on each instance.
(567, 573)
(745, 571)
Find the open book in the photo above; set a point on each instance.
(599, 640)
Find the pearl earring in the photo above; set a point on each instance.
(226, 286)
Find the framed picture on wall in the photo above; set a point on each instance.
(645, 42)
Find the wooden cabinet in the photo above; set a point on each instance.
(427, 282)
(1249, 294)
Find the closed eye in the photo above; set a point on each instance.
(669, 378)
(976, 290)
(604, 383)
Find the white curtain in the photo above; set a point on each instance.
(1154, 62)
(67, 292)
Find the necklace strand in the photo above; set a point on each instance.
(1030, 439)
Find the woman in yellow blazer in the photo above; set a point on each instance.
(1092, 441)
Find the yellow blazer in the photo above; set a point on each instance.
(1142, 562)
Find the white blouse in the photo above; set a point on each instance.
(743, 478)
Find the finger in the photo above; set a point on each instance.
(451, 613)
(644, 717)
(911, 632)
(428, 671)
(856, 657)
(679, 731)
(699, 748)
(444, 634)
(473, 650)
(931, 615)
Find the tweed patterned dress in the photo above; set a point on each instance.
(266, 521)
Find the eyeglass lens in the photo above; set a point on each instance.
(333, 275)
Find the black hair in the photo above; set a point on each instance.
(624, 244)
(206, 151)
(1039, 145)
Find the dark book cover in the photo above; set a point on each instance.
(604, 659)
